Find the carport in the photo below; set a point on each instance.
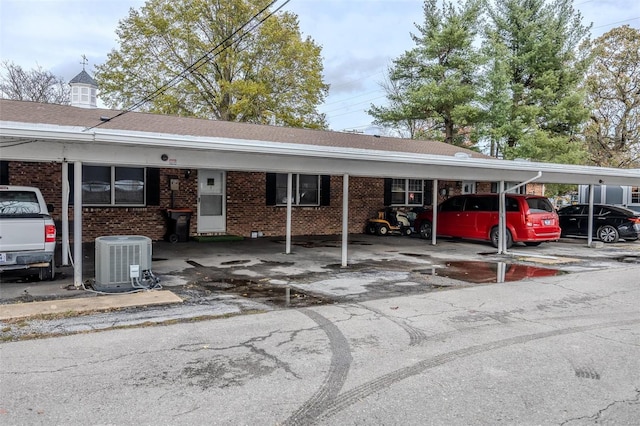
(273, 149)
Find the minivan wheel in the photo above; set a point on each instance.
(494, 237)
(382, 230)
(425, 230)
(608, 234)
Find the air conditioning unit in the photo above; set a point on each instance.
(115, 255)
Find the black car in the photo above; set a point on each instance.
(610, 223)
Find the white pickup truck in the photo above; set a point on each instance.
(27, 231)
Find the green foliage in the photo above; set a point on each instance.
(613, 87)
(198, 58)
(531, 44)
(434, 84)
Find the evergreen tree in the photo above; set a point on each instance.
(533, 48)
(434, 84)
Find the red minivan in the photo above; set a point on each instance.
(531, 219)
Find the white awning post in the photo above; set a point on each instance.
(288, 231)
(64, 232)
(77, 224)
(502, 219)
(345, 218)
(590, 220)
(434, 216)
(502, 223)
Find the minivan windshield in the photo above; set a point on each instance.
(539, 205)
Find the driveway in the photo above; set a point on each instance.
(255, 275)
(548, 350)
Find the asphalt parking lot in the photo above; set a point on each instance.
(378, 267)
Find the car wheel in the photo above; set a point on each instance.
(382, 229)
(47, 273)
(608, 234)
(425, 230)
(494, 237)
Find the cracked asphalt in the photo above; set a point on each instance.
(392, 344)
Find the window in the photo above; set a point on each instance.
(407, 192)
(111, 185)
(455, 204)
(468, 187)
(635, 194)
(305, 189)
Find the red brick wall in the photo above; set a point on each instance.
(99, 221)
(247, 210)
(246, 205)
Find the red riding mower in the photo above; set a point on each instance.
(389, 221)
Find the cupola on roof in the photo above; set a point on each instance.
(83, 89)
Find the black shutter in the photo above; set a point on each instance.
(270, 193)
(428, 192)
(387, 191)
(153, 187)
(4, 173)
(325, 190)
(70, 173)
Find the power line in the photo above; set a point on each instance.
(209, 55)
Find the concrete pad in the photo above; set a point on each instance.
(87, 304)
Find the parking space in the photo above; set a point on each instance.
(378, 267)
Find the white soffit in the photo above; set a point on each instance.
(314, 159)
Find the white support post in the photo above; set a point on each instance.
(289, 192)
(345, 218)
(77, 224)
(590, 220)
(434, 205)
(502, 219)
(65, 214)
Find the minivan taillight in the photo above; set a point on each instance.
(49, 234)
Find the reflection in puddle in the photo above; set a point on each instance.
(278, 295)
(489, 272)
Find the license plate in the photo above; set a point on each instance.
(548, 222)
(3, 257)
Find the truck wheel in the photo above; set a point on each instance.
(47, 273)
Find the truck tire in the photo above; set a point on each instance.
(47, 273)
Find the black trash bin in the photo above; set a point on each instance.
(178, 221)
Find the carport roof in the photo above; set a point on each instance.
(242, 146)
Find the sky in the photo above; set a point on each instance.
(359, 39)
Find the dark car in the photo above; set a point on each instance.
(610, 223)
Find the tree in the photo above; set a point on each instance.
(533, 45)
(215, 59)
(37, 85)
(434, 84)
(613, 89)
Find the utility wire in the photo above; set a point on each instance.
(201, 60)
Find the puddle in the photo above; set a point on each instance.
(629, 259)
(488, 272)
(277, 295)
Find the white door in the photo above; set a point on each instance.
(211, 201)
